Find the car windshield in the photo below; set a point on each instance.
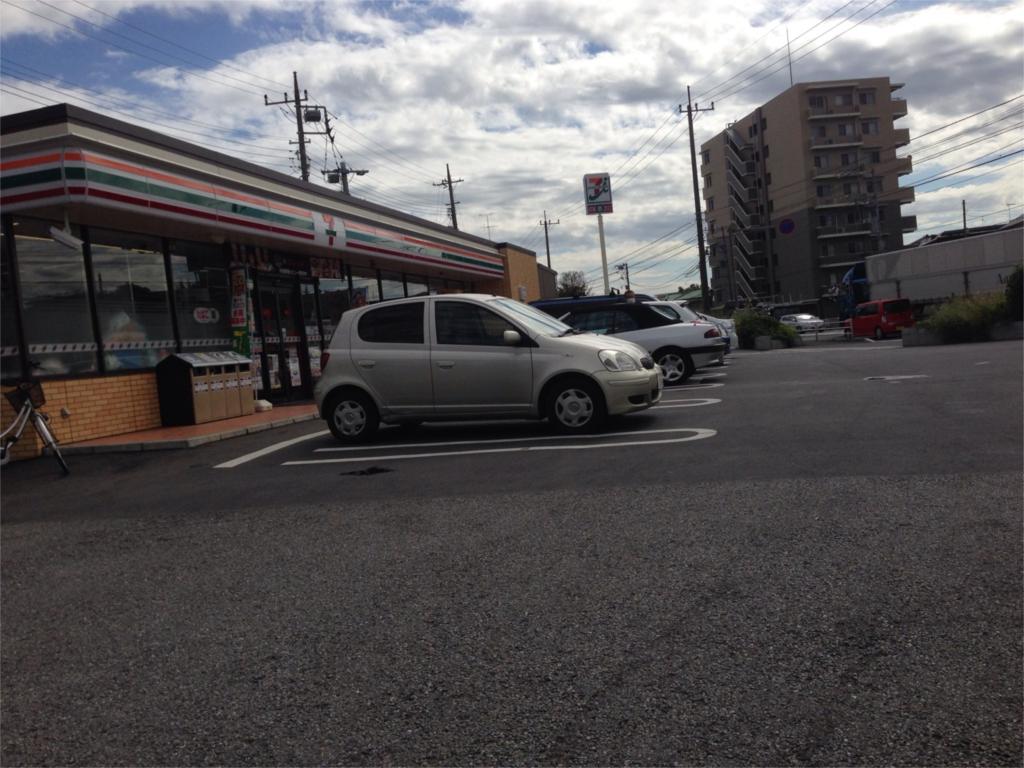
(534, 320)
(806, 317)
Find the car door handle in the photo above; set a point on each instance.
(445, 364)
(366, 363)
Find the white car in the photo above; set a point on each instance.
(683, 312)
(678, 347)
(803, 322)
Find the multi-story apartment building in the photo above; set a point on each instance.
(804, 187)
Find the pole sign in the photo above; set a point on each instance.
(597, 193)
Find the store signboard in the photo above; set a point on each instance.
(597, 193)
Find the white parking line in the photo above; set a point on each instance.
(486, 442)
(694, 403)
(269, 449)
(699, 434)
(688, 387)
(896, 378)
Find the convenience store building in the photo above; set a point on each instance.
(121, 246)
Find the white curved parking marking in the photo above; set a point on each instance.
(269, 449)
(896, 378)
(694, 403)
(703, 376)
(688, 387)
(446, 443)
(698, 434)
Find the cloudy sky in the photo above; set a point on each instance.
(523, 97)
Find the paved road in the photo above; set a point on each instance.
(810, 556)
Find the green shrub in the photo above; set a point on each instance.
(967, 318)
(1015, 295)
(750, 324)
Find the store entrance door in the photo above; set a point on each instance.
(285, 364)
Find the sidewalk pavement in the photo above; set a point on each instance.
(165, 438)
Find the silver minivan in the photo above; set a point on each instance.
(465, 356)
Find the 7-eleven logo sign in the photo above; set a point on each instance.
(597, 193)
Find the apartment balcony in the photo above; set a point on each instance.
(901, 137)
(842, 172)
(901, 166)
(908, 223)
(844, 230)
(836, 142)
(904, 195)
(899, 108)
(829, 112)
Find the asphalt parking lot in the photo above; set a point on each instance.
(809, 556)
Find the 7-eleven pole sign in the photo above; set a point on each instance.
(597, 193)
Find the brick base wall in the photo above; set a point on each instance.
(95, 407)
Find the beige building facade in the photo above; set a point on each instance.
(804, 187)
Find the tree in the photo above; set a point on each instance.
(572, 283)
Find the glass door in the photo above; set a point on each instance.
(286, 373)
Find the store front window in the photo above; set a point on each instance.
(10, 354)
(365, 289)
(55, 300)
(393, 285)
(202, 295)
(334, 300)
(130, 286)
(416, 285)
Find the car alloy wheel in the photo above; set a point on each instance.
(676, 366)
(350, 418)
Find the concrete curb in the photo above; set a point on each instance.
(189, 442)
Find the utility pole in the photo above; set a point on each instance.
(303, 161)
(548, 223)
(487, 218)
(342, 172)
(963, 204)
(705, 295)
(451, 194)
(624, 267)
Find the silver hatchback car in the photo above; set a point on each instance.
(466, 356)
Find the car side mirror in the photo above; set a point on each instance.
(512, 338)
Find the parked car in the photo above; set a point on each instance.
(438, 358)
(679, 348)
(803, 322)
(681, 310)
(881, 318)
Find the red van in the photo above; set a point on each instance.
(882, 317)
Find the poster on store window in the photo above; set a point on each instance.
(273, 371)
(239, 313)
(257, 373)
(293, 367)
(314, 362)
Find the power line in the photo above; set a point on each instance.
(185, 73)
(178, 45)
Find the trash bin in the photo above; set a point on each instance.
(196, 387)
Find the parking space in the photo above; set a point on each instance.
(663, 425)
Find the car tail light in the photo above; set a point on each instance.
(324, 357)
(711, 333)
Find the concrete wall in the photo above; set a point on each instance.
(936, 271)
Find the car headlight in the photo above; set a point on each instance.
(618, 361)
